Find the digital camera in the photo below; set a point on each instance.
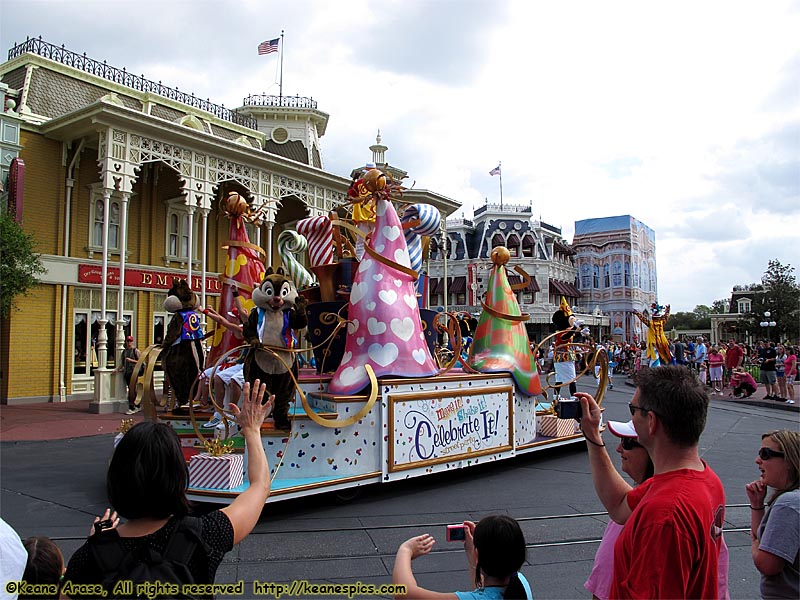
(569, 409)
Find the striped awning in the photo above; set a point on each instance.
(533, 285)
(458, 285)
(562, 288)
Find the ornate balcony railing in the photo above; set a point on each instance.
(122, 77)
(279, 101)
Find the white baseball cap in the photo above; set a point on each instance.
(622, 430)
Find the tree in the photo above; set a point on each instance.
(781, 298)
(719, 307)
(19, 263)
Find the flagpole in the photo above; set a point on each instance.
(280, 88)
(499, 166)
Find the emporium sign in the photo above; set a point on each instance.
(144, 278)
(449, 425)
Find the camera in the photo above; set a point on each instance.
(103, 525)
(569, 409)
(455, 533)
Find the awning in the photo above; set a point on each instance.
(458, 285)
(433, 286)
(563, 288)
(533, 286)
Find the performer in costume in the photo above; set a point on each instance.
(657, 344)
(563, 354)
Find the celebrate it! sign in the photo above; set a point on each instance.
(450, 425)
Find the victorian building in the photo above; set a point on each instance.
(119, 178)
(459, 282)
(616, 262)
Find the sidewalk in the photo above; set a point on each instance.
(56, 421)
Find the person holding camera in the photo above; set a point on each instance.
(495, 550)
(146, 484)
(672, 539)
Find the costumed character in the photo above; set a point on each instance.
(278, 313)
(363, 207)
(657, 344)
(243, 269)
(385, 329)
(183, 352)
(501, 343)
(564, 357)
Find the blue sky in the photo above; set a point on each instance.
(684, 114)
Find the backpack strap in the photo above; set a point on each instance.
(184, 540)
(107, 550)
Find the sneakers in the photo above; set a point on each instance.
(134, 410)
(716, 389)
(212, 423)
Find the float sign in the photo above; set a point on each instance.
(429, 429)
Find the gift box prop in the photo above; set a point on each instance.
(552, 426)
(501, 343)
(217, 468)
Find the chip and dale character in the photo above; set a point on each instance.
(657, 344)
(279, 311)
(182, 355)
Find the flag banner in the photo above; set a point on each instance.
(268, 47)
(495, 171)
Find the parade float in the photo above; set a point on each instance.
(394, 394)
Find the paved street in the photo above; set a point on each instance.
(55, 488)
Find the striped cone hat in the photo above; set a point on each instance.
(500, 344)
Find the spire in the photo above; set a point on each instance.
(378, 150)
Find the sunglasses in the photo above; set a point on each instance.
(629, 443)
(633, 408)
(767, 453)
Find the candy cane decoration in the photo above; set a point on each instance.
(319, 234)
(290, 244)
(419, 220)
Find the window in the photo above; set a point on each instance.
(96, 210)
(606, 276)
(596, 276)
(586, 281)
(513, 246)
(636, 273)
(617, 274)
(645, 281)
(86, 327)
(744, 305)
(652, 277)
(178, 232)
(627, 274)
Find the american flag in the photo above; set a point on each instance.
(495, 171)
(268, 47)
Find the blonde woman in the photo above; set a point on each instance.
(775, 522)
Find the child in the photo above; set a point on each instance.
(715, 364)
(45, 563)
(495, 551)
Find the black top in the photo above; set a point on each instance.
(217, 536)
(769, 359)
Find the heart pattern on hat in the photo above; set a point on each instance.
(384, 300)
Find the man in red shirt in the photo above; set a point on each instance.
(670, 545)
(733, 359)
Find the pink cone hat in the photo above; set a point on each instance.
(385, 330)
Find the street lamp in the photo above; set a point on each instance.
(597, 314)
(766, 323)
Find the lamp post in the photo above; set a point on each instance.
(597, 314)
(767, 323)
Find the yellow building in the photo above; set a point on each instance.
(113, 161)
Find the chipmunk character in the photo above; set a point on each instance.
(183, 353)
(279, 311)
